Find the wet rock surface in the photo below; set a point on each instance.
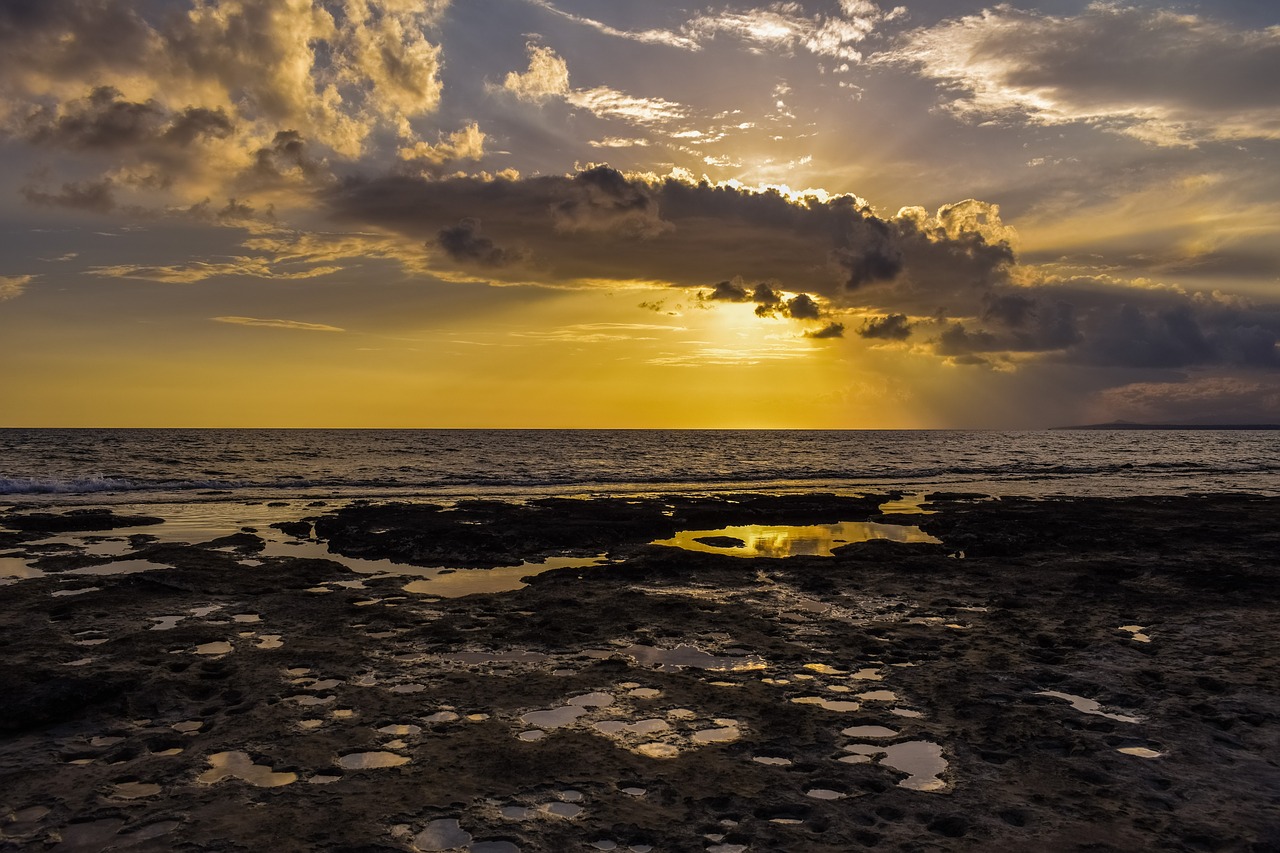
(980, 694)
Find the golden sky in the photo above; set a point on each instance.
(565, 213)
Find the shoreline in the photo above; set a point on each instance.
(686, 701)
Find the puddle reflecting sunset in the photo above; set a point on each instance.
(814, 540)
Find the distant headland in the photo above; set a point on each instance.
(1136, 426)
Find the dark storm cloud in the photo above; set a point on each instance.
(600, 224)
(894, 327)
(602, 199)
(831, 330)
(464, 243)
(950, 272)
(92, 196)
(727, 291)
(286, 156)
(106, 121)
(803, 307)
(108, 35)
(1084, 323)
(872, 256)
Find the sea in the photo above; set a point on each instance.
(52, 467)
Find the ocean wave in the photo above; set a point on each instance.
(454, 481)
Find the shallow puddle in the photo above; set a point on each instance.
(371, 760)
(218, 648)
(1140, 752)
(816, 540)
(878, 696)
(1089, 706)
(442, 717)
(441, 835)
(18, 568)
(455, 583)
(493, 847)
(824, 794)
(1137, 633)
(565, 810)
(238, 765)
(906, 505)
(577, 706)
(119, 567)
(836, 705)
(873, 732)
(921, 760)
(727, 732)
(639, 728)
(134, 790)
(772, 761)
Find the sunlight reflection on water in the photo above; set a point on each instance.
(814, 540)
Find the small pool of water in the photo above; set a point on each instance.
(838, 705)
(238, 765)
(907, 505)
(815, 540)
(921, 760)
(1089, 706)
(17, 568)
(455, 583)
(371, 760)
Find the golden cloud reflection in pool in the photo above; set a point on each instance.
(814, 540)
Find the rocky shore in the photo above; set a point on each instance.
(978, 674)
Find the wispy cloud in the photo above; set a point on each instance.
(610, 103)
(295, 325)
(666, 37)
(785, 27)
(13, 286)
(1163, 77)
(193, 271)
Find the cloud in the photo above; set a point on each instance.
(13, 286)
(602, 199)
(548, 76)
(600, 224)
(893, 327)
(803, 307)
(1165, 77)
(786, 27)
(464, 144)
(92, 196)
(193, 271)
(727, 291)
(618, 142)
(277, 324)
(664, 37)
(464, 243)
(954, 270)
(218, 95)
(1210, 399)
(831, 330)
(105, 120)
(610, 103)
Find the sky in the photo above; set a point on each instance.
(579, 213)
